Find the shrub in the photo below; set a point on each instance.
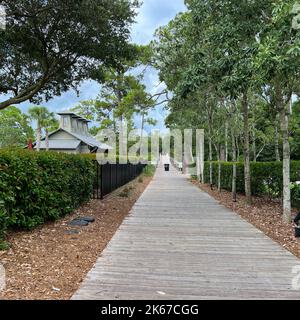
(266, 177)
(40, 186)
(149, 170)
(125, 193)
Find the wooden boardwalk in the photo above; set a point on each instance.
(179, 243)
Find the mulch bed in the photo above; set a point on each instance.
(50, 262)
(265, 214)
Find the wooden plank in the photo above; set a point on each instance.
(180, 241)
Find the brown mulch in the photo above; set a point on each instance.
(265, 214)
(48, 263)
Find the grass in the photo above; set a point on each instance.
(149, 170)
(4, 246)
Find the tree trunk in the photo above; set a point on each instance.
(254, 151)
(246, 149)
(38, 138)
(276, 141)
(210, 163)
(210, 146)
(234, 165)
(254, 144)
(142, 132)
(219, 175)
(284, 121)
(200, 154)
(47, 140)
(286, 166)
(226, 140)
(121, 138)
(218, 152)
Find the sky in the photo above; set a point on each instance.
(151, 15)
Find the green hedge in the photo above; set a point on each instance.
(40, 186)
(266, 177)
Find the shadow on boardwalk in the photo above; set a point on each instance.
(179, 243)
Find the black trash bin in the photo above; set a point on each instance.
(297, 227)
(167, 167)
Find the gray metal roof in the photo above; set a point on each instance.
(87, 139)
(90, 140)
(59, 144)
(73, 115)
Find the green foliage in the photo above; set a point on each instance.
(15, 129)
(266, 177)
(295, 194)
(40, 186)
(4, 246)
(149, 170)
(50, 46)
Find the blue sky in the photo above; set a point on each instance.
(152, 14)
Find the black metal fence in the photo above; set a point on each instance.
(110, 177)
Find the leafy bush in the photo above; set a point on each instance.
(266, 177)
(149, 170)
(40, 186)
(295, 195)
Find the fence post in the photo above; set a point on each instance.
(110, 177)
(101, 181)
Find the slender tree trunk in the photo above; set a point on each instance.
(284, 121)
(47, 140)
(254, 144)
(121, 137)
(210, 145)
(210, 163)
(38, 138)
(219, 175)
(254, 151)
(276, 141)
(234, 164)
(142, 133)
(246, 149)
(200, 154)
(286, 166)
(226, 140)
(218, 152)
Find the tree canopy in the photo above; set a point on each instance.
(50, 46)
(233, 69)
(15, 129)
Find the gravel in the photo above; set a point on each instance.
(264, 213)
(50, 262)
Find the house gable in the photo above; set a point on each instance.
(61, 135)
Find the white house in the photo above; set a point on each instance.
(73, 136)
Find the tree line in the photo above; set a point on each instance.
(49, 47)
(233, 69)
